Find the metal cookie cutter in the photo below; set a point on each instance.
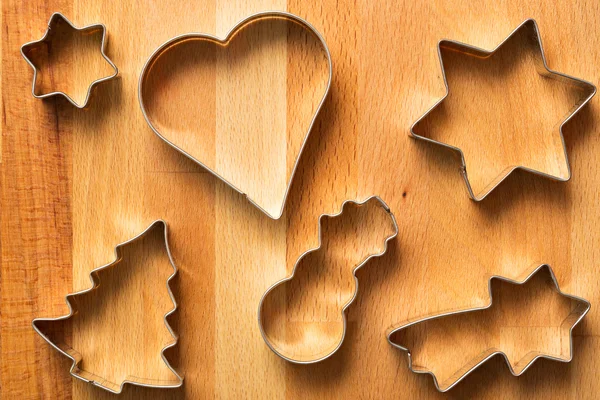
(29, 48)
(577, 313)
(376, 201)
(224, 42)
(76, 357)
(542, 69)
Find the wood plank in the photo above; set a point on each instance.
(35, 228)
(238, 222)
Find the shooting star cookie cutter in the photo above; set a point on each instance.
(576, 315)
(378, 202)
(28, 48)
(223, 42)
(543, 70)
(76, 357)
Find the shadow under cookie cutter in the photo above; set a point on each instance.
(542, 69)
(223, 42)
(76, 357)
(576, 315)
(30, 47)
(380, 203)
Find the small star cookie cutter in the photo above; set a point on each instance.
(542, 69)
(376, 201)
(572, 320)
(28, 48)
(76, 357)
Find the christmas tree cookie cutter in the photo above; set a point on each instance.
(29, 48)
(76, 357)
(224, 42)
(577, 314)
(542, 69)
(375, 201)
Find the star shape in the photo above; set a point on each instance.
(29, 49)
(578, 312)
(555, 167)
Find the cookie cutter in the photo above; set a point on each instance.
(379, 202)
(31, 47)
(542, 69)
(223, 42)
(576, 315)
(76, 357)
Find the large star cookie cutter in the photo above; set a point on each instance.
(542, 68)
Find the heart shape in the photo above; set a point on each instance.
(219, 101)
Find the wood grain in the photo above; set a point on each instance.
(75, 183)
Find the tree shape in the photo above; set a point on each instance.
(302, 317)
(530, 319)
(108, 322)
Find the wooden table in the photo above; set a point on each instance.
(76, 183)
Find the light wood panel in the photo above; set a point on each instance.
(76, 183)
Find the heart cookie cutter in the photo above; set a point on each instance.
(76, 357)
(577, 313)
(28, 48)
(377, 202)
(268, 15)
(542, 69)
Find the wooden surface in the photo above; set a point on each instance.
(76, 183)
